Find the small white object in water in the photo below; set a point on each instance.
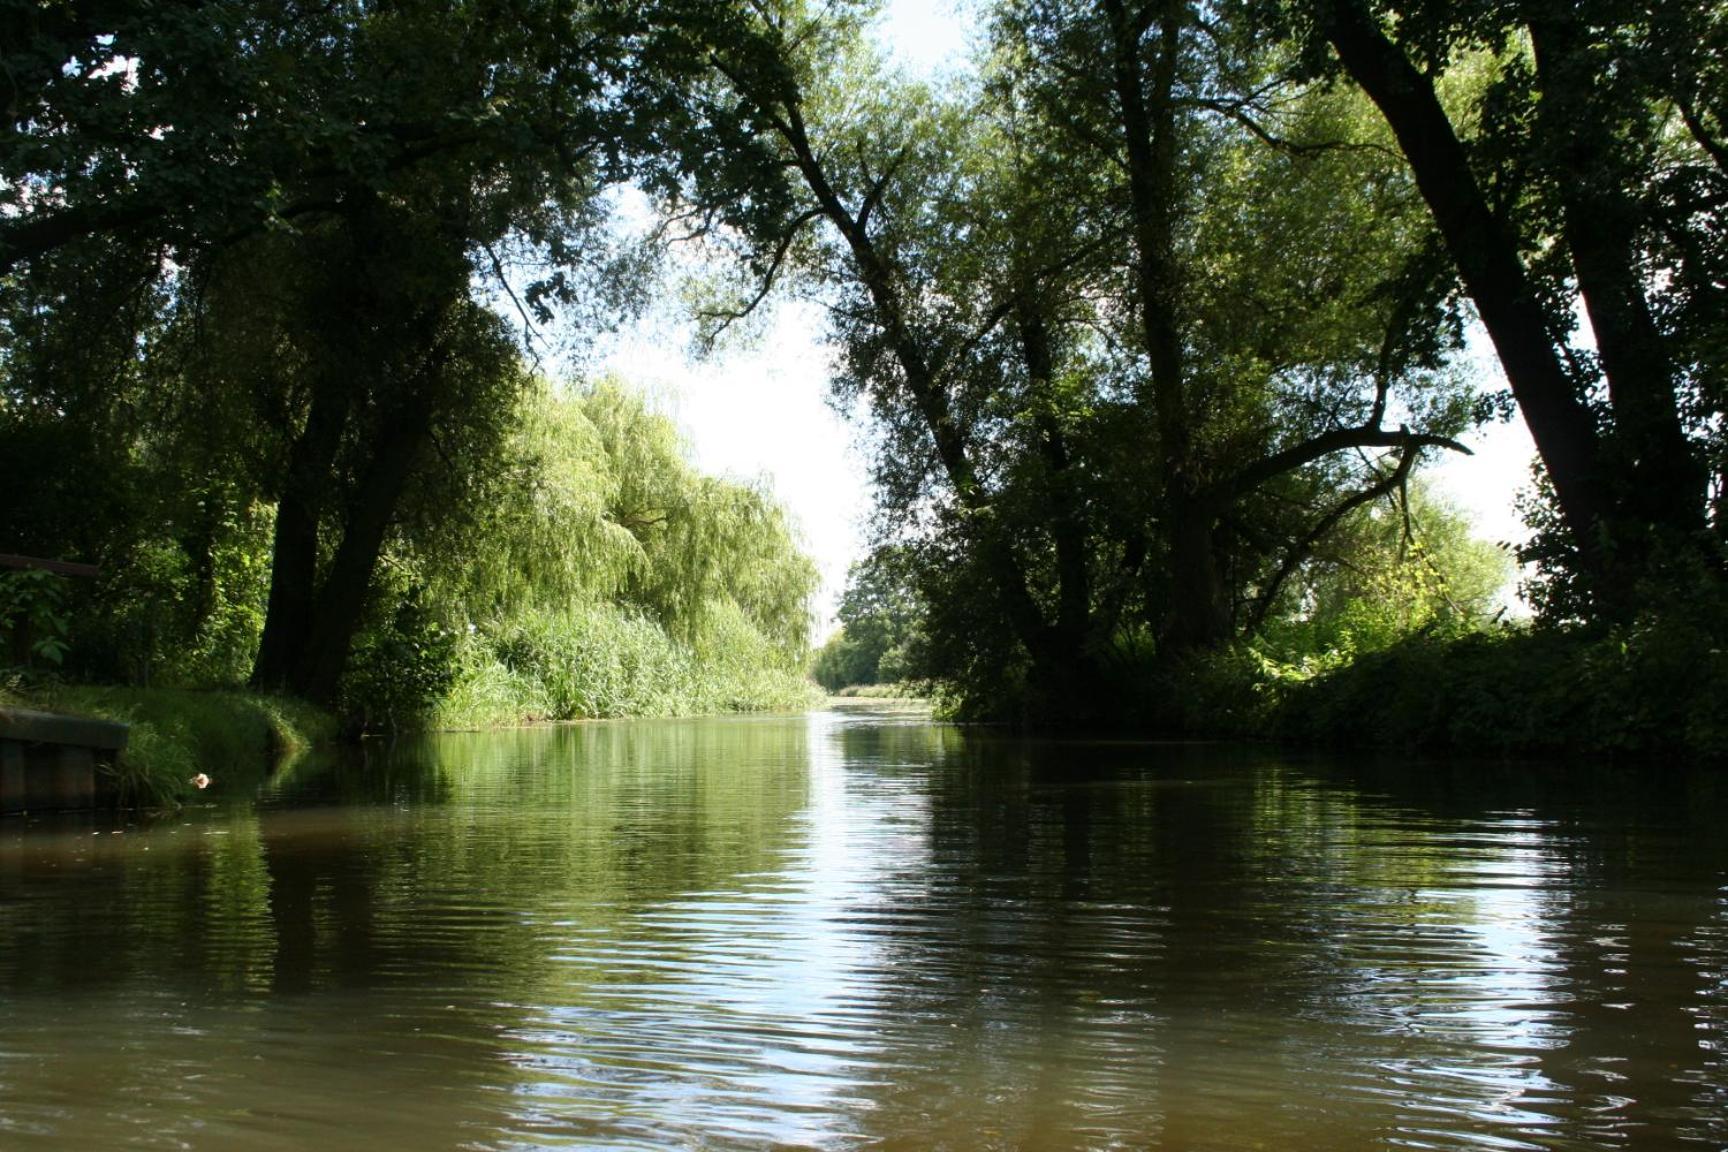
(200, 781)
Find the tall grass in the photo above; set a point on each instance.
(600, 660)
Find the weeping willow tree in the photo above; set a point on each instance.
(591, 571)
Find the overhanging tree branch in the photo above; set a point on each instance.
(1317, 447)
(1300, 550)
(729, 316)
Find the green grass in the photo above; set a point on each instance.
(178, 733)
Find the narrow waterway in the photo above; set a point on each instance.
(862, 929)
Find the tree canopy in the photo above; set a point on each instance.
(1152, 314)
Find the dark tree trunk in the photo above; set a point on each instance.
(1487, 259)
(294, 557)
(1198, 614)
(342, 597)
(1067, 523)
(1068, 676)
(1199, 601)
(1661, 481)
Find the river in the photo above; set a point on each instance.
(860, 929)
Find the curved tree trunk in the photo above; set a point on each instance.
(1487, 259)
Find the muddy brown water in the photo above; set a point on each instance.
(860, 929)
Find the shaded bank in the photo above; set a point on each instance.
(1652, 692)
(177, 735)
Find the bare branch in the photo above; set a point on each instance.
(1317, 447)
(1303, 547)
(1238, 111)
(1695, 124)
(528, 324)
(728, 317)
(873, 195)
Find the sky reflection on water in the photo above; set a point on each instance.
(855, 930)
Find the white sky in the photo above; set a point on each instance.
(760, 412)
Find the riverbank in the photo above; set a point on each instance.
(1655, 691)
(897, 692)
(180, 734)
(606, 663)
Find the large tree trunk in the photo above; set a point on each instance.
(1199, 600)
(1660, 479)
(294, 557)
(342, 597)
(1066, 669)
(1487, 260)
(382, 334)
(1198, 614)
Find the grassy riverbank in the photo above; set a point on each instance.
(179, 733)
(900, 691)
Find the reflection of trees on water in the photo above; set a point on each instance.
(1211, 948)
(895, 933)
(457, 848)
(597, 819)
(368, 943)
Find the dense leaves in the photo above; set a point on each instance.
(252, 356)
(1136, 339)
(1154, 317)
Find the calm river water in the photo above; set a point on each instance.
(856, 929)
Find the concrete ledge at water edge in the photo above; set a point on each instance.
(48, 761)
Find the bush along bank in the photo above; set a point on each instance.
(1651, 690)
(1648, 692)
(600, 661)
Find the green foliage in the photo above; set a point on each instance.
(888, 690)
(403, 664)
(845, 661)
(249, 262)
(1651, 690)
(1150, 326)
(881, 639)
(1391, 570)
(33, 621)
(1593, 160)
(615, 580)
(581, 568)
(602, 660)
(1127, 366)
